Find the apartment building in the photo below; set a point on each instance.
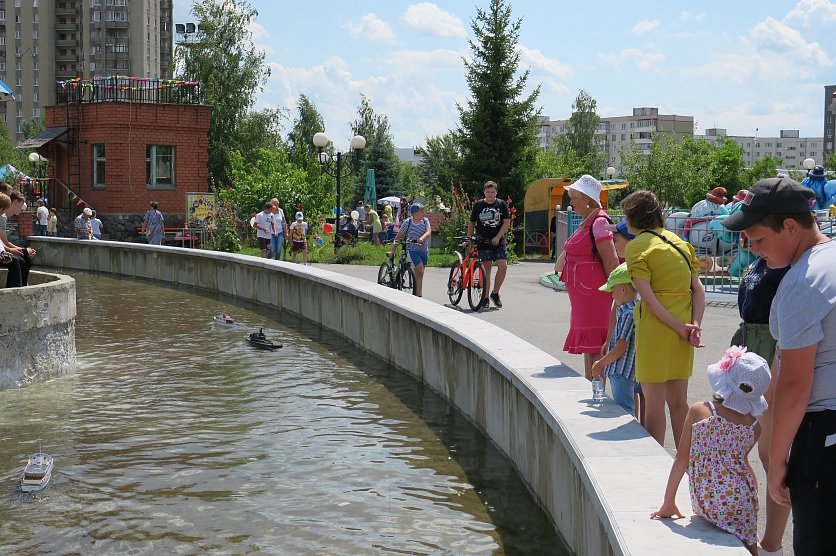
(788, 146)
(44, 41)
(618, 133)
(829, 120)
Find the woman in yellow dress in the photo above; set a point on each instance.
(665, 272)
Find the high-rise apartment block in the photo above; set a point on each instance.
(44, 41)
(829, 120)
(616, 134)
(789, 146)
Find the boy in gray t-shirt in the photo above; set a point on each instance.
(776, 216)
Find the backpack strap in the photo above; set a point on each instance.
(592, 235)
(669, 242)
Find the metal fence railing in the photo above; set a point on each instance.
(722, 259)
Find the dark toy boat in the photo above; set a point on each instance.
(259, 340)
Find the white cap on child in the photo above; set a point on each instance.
(741, 378)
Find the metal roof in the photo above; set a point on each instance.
(43, 137)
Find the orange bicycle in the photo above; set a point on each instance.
(467, 273)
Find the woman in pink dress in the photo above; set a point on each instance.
(588, 258)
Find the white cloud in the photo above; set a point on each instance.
(418, 61)
(644, 61)
(429, 19)
(372, 28)
(691, 16)
(815, 15)
(542, 63)
(780, 38)
(645, 26)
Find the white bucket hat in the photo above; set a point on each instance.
(741, 378)
(589, 186)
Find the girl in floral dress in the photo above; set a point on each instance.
(715, 445)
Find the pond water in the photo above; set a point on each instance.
(176, 437)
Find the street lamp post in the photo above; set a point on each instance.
(320, 141)
(40, 163)
(808, 164)
(610, 172)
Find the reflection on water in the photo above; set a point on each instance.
(174, 436)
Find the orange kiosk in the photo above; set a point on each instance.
(541, 198)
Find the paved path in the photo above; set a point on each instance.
(540, 315)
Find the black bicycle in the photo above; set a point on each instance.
(400, 276)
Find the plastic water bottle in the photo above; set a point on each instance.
(597, 390)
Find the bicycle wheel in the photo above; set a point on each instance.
(476, 290)
(384, 275)
(454, 283)
(406, 279)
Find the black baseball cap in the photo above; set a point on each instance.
(770, 196)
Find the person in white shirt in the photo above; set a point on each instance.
(264, 228)
(96, 225)
(279, 232)
(41, 218)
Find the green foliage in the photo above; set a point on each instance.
(558, 162)
(409, 182)
(225, 237)
(363, 253)
(762, 168)
(438, 169)
(682, 171)
(270, 174)
(260, 130)
(230, 71)
(308, 122)
(379, 153)
(458, 219)
(498, 126)
(580, 146)
(830, 161)
(30, 128)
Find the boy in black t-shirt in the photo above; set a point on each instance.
(491, 218)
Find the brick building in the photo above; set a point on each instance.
(116, 150)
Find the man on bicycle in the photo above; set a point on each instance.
(491, 218)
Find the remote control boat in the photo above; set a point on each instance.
(224, 319)
(37, 473)
(259, 340)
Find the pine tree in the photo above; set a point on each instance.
(498, 131)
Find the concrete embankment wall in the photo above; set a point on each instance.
(594, 469)
(37, 329)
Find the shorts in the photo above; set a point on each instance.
(296, 246)
(490, 253)
(264, 243)
(756, 338)
(623, 390)
(419, 257)
(812, 484)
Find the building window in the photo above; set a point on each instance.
(159, 166)
(36, 112)
(98, 165)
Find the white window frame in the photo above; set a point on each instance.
(99, 157)
(152, 159)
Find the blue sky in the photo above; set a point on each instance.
(738, 65)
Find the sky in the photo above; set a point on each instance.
(751, 67)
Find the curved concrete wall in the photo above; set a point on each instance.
(37, 329)
(595, 470)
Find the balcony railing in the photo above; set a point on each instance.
(128, 89)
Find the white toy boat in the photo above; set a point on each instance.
(224, 319)
(37, 473)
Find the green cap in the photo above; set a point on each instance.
(619, 275)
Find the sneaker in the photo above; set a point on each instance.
(486, 303)
(495, 299)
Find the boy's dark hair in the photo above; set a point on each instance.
(490, 183)
(776, 221)
(643, 210)
(5, 188)
(16, 196)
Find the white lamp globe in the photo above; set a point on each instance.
(320, 140)
(358, 142)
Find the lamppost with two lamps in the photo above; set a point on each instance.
(320, 141)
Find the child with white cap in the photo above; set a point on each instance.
(715, 444)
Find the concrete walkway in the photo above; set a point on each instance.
(540, 315)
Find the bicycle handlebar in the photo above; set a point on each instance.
(465, 238)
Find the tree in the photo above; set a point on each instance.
(438, 168)
(558, 162)
(498, 126)
(301, 150)
(30, 128)
(260, 130)
(230, 72)
(580, 144)
(830, 161)
(761, 168)
(379, 153)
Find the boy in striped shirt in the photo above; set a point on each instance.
(619, 363)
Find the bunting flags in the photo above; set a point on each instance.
(135, 83)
